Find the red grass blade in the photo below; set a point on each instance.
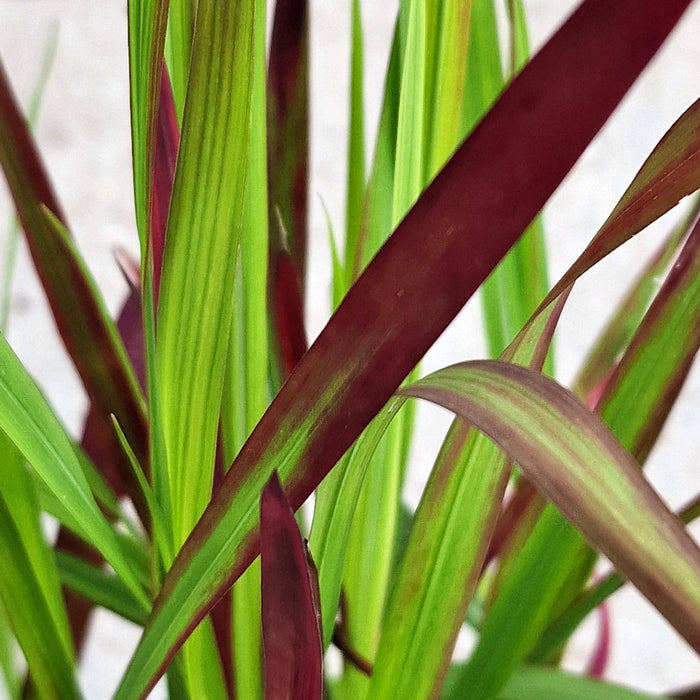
(290, 614)
(167, 142)
(287, 124)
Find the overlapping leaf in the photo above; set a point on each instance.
(88, 332)
(447, 547)
(290, 614)
(580, 466)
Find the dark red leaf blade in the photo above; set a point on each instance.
(167, 141)
(459, 229)
(288, 130)
(85, 329)
(293, 665)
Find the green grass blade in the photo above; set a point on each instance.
(51, 666)
(29, 581)
(99, 587)
(447, 547)
(408, 168)
(196, 293)
(245, 391)
(444, 102)
(408, 295)
(147, 24)
(336, 501)
(377, 212)
(29, 423)
(578, 464)
(356, 146)
(195, 305)
(178, 48)
(531, 683)
(10, 668)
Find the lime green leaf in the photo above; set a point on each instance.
(28, 421)
(29, 585)
(336, 501)
(246, 387)
(531, 683)
(196, 300)
(577, 462)
(99, 587)
(356, 145)
(147, 24)
(444, 101)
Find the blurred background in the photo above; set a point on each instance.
(83, 134)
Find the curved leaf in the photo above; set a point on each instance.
(578, 463)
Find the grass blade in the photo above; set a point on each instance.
(195, 303)
(31, 426)
(147, 23)
(578, 464)
(356, 145)
(671, 172)
(408, 295)
(290, 614)
(288, 128)
(622, 326)
(29, 585)
(447, 548)
(99, 587)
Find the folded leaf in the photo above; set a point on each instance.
(577, 463)
(290, 615)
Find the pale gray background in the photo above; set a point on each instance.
(84, 136)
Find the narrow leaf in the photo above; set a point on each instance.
(447, 547)
(577, 463)
(531, 683)
(29, 585)
(99, 587)
(671, 172)
(29, 423)
(290, 615)
(288, 128)
(83, 322)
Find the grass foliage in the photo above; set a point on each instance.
(213, 417)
